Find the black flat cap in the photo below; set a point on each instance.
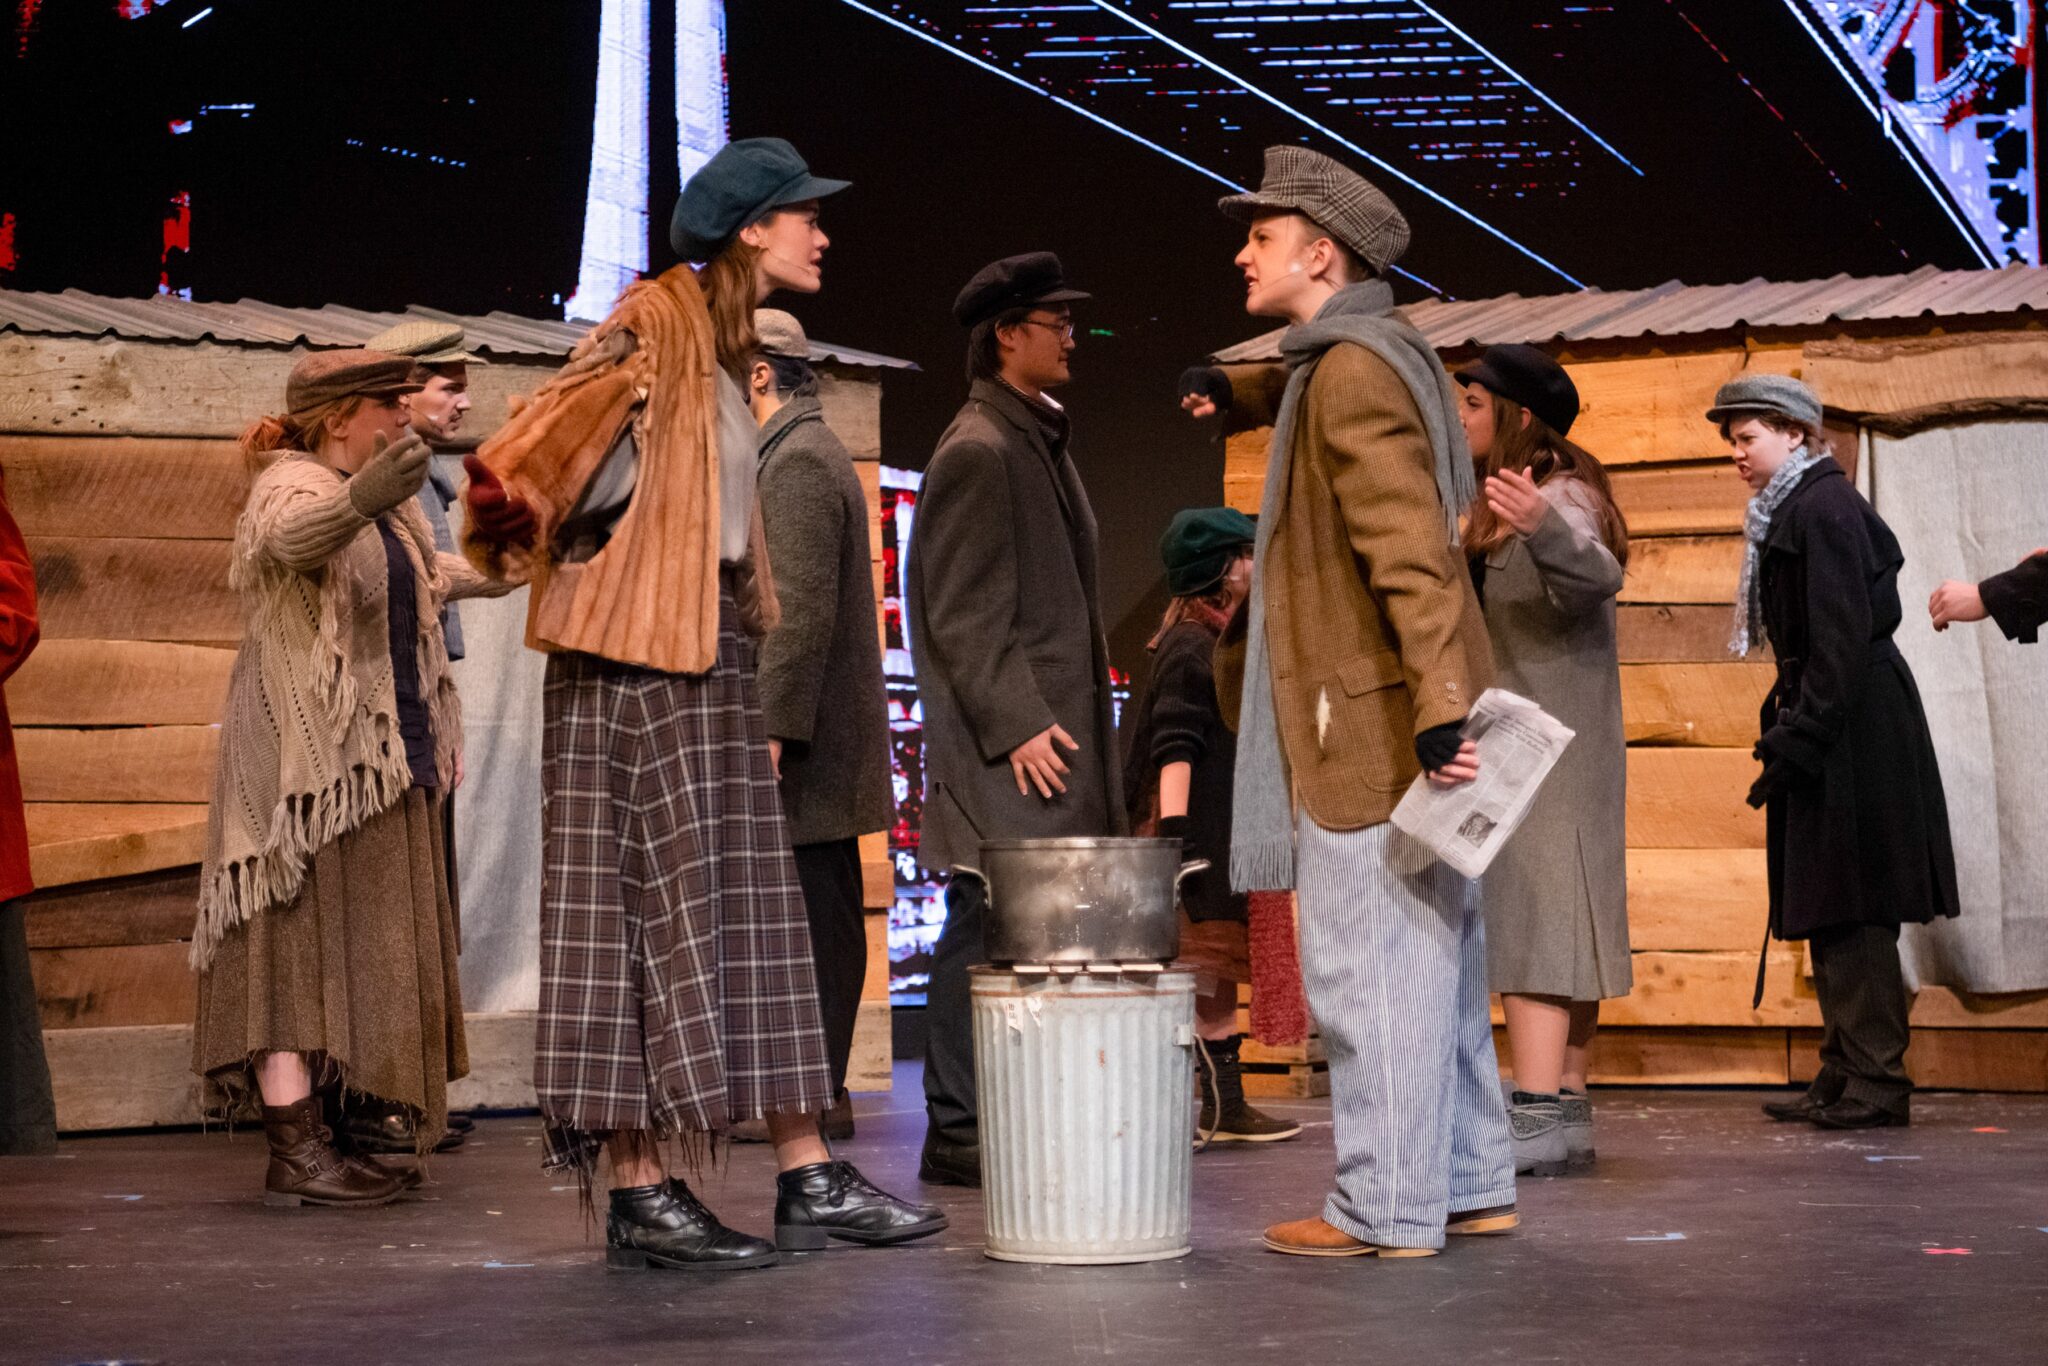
(742, 184)
(1522, 374)
(1024, 281)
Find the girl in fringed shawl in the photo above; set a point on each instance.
(1856, 822)
(326, 939)
(677, 991)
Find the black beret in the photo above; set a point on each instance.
(1014, 282)
(1523, 374)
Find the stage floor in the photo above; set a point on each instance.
(1707, 1235)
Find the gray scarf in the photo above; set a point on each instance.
(1262, 812)
(1756, 524)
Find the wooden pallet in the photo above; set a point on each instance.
(1291, 1081)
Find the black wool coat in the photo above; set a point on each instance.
(2018, 599)
(822, 692)
(1006, 632)
(1856, 821)
(1177, 720)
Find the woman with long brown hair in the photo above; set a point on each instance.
(325, 942)
(678, 996)
(1548, 547)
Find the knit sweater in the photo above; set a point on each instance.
(309, 745)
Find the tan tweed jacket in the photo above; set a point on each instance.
(309, 745)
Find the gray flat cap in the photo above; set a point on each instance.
(1748, 395)
(781, 334)
(1336, 198)
(427, 342)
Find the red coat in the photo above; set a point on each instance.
(18, 636)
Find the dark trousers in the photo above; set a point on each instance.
(830, 874)
(1863, 1005)
(948, 1013)
(28, 1114)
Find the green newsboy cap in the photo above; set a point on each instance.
(1199, 545)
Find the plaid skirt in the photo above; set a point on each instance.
(677, 993)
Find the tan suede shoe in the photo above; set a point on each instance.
(1497, 1219)
(1315, 1238)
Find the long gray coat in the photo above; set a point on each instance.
(821, 669)
(1006, 632)
(1556, 897)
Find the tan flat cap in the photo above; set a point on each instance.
(427, 342)
(781, 334)
(325, 376)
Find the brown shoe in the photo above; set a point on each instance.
(1495, 1219)
(1315, 1238)
(305, 1169)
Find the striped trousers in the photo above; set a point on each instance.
(1393, 953)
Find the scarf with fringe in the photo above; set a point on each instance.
(1748, 631)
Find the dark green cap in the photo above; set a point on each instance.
(742, 184)
(1199, 545)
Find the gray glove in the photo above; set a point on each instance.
(390, 476)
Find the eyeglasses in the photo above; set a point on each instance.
(1064, 327)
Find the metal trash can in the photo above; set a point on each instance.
(1087, 1126)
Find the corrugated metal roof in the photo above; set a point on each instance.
(1675, 309)
(75, 313)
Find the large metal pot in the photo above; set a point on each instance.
(1080, 901)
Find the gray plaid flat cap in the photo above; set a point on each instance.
(1748, 395)
(1339, 200)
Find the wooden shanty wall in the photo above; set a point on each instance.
(1697, 894)
(122, 468)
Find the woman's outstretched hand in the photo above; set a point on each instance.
(1514, 498)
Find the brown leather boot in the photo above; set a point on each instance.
(305, 1169)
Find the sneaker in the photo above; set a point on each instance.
(1536, 1127)
(1578, 1128)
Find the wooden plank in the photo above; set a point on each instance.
(155, 908)
(1686, 798)
(1639, 409)
(1690, 899)
(1674, 500)
(1678, 1057)
(130, 984)
(72, 842)
(134, 1078)
(877, 872)
(1945, 1008)
(870, 1064)
(1954, 1059)
(853, 410)
(1714, 989)
(1683, 569)
(130, 764)
(126, 588)
(1928, 372)
(1298, 1081)
(1251, 1050)
(120, 683)
(1244, 468)
(111, 386)
(1694, 704)
(183, 487)
(1674, 634)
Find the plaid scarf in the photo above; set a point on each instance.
(1756, 524)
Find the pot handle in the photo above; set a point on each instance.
(1188, 870)
(988, 893)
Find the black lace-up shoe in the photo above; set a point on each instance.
(833, 1200)
(668, 1226)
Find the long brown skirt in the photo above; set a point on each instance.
(358, 970)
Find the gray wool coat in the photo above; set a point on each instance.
(821, 670)
(1556, 896)
(1006, 631)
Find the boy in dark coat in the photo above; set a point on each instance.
(1856, 822)
(1006, 631)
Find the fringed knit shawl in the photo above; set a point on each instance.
(310, 746)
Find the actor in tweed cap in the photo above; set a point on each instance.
(1363, 652)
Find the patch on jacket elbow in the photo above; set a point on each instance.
(1322, 717)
